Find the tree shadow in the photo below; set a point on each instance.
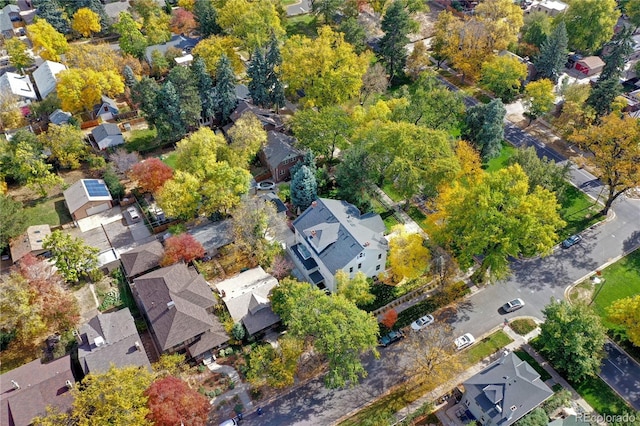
(631, 243)
(62, 211)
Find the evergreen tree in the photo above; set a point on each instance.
(275, 89)
(308, 160)
(204, 83)
(54, 14)
(94, 5)
(144, 94)
(396, 24)
(485, 127)
(553, 54)
(354, 34)
(226, 100)
(257, 72)
(304, 188)
(129, 77)
(185, 86)
(206, 17)
(169, 123)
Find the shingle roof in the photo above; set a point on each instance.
(507, 390)
(142, 258)
(105, 100)
(118, 336)
(107, 134)
(279, 146)
(340, 230)
(592, 62)
(176, 300)
(77, 195)
(177, 41)
(45, 77)
(59, 117)
(5, 19)
(30, 241)
(20, 85)
(266, 117)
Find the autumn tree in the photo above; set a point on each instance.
(575, 114)
(338, 330)
(356, 289)
(18, 55)
(10, 116)
(183, 21)
(418, 60)
(326, 68)
(151, 174)
(131, 40)
(589, 23)
(485, 128)
(503, 75)
(212, 48)
(467, 47)
(553, 54)
(572, 338)
(275, 367)
(67, 145)
(155, 22)
(171, 401)
(502, 20)
(615, 149)
(83, 88)
(374, 81)
(181, 248)
(179, 197)
(539, 98)
(47, 42)
(440, 46)
(85, 21)
(123, 161)
(322, 131)
(408, 257)
(390, 318)
(251, 22)
(496, 217)
(433, 357)
(71, 255)
(53, 13)
(280, 267)
(98, 57)
(247, 137)
(625, 313)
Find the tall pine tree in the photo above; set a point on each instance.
(304, 188)
(170, 125)
(206, 16)
(553, 54)
(485, 128)
(129, 77)
(204, 83)
(257, 72)
(226, 100)
(396, 24)
(52, 11)
(275, 89)
(145, 95)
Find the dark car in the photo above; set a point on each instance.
(571, 241)
(390, 338)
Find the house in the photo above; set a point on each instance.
(87, 197)
(45, 77)
(269, 119)
(19, 85)
(110, 339)
(26, 391)
(107, 135)
(142, 259)
(29, 242)
(106, 109)
(213, 236)
(185, 44)
(332, 235)
(590, 65)
(178, 306)
(504, 392)
(59, 117)
(8, 15)
(247, 298)
(184, 60)
(548, 7)
(279, 155)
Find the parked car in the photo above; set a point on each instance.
(464, 341)
(133, 213)
(513, 305)
(571, 241)
(422, 322)
(266, 185)
(390, 338)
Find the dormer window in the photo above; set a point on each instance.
(361, 255)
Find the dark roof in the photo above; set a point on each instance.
(59, 117)
(212, 338)
(309, 263)
(105, 130)
(177, 41)
(214, 235)
(506, 390)
(109, 102)
(177, 301)
(277, 202)
(279, 146)
(337, 232)
(266, 117)
(142, 258)
(111, 339)
(40, 385)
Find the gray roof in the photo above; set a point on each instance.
(337, 232)
(142, 258)
(177, 41)
(59, 117)
(5, 19)
(266, 117)
(77, 195)
(105, 100)
(177, 301)
(279, 146)
(506, 390)
(107, 134)
(111, 339)
(214, 235)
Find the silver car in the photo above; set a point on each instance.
(422, 322)
(514, 305)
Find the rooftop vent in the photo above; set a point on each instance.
(68, 384)
(314, 204)
(514, 408)
(98, 341)
(15, 384)
(138, 346)
(171, 304)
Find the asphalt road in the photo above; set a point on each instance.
(622, 374)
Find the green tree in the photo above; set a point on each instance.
(356, 289)
(129, 77)
(337, 329)
(353, 177)
(72, 256)
(304, 188)
(111, 179)
(497, 217)
(542, 171)
(396, 24)
(553, 53)
(257, 73)
(626, 314)
(206, 16)
(66, 144)
(47, 42)
(418, 60)
(354, 34)
(589, 23)
(537, 27)
(204, 85)
(131, 40)
(537, 417)
(485, 127)
(186, 86)
(273, 60)
(503, 75)
(632, 9)
(572, 338)
(250, 22)
(145, 96)
(408, 257)
(52, 12)
(169, 121)
(18, 55)
(238, 332)
(13, 220)
(275, 367)
(539, 98)
(327, 9)
(322, 131)
(225, 89)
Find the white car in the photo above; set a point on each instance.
(266, 185)
(422, 322)
(513, 305)
(464, 341)
(133, 213)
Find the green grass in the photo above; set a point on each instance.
(523, 326)
(502, 160)
(391, 191)
(141, 140)
(387, 215)
(578, 210)
(51, 211)
(169, 160)
(286, 3)
(600, 396)
(419, 217)
(301, 25)
(544, 375)
(487, 346)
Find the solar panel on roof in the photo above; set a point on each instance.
(95, 188)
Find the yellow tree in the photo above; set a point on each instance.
(468, 47)
(66, 144)
(575, 114)
(441, 41)
(408, 257)
(418, 60)
(17, 51)
(503, 75)
(539, 98)
(626, 313)
(47, 42)
(10, 116)
(86, 21)
(179, 197)
(212, 48)
(616, 153)
(356, 289)
(82, 88)
(502, 19)
(326, 68)
(247, 137)
(253, 22)
(470, 170)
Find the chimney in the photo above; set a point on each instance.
(98, 341)
(68, 384)
(15, 384)
(314, 204)
(76, 334)
(366, 244)
(138, 346)
(171, 304)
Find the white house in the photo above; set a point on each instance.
(332, 235)
(107, 135)
(19, 85)
(45, 77)
(548, 7)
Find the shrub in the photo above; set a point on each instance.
(201, 368)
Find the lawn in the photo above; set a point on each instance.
(387, 215)
(301, 25)
(391, 191)
(51, 211)
(286, 3)
(502, 160)
(420, 218)
(578, 210)
(169, 159)
(141, 140)
(600, 396)
(487, 346)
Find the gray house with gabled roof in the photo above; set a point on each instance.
(332, 235)
(107, 135)
(142, 259)
(280, 155)
(504, 392)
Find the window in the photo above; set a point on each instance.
(361, 255)
(359, 265)
(351, 269)
(281, 172)
(379, 256)
(378, 268)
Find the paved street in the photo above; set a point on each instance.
(623, 374)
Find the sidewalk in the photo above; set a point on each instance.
(410, 225)
(240, 389)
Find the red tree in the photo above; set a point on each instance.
(183, 21)
(173, 402)
(151, 174)
(389, 318)
(181, 247)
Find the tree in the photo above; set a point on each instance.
(390, 318)
(123, 161)
(156, 28)
(467, 46)
(71, 255)
(204, 85)
(541, 171)
(273, 81)
(66, 144)
(537, 417)
(575, 114)
(131, 40)
(496, 217)
(353, 176)
(327, 9)
(183, 21)
(354, 34)
(356, 289)
(373, 81)
(537, 28)
(418, 60)
(171, 401)
(408, 257)
(52, 12)
(275, 367)
(539, 98)
(238, 332)
(145, 96)
(170, 117)
(257, 72)
(334, 325)
(83, 88)
(47, 42)
(129, 77)
(10, 116)
(590, 23)
(304, 188)
(633, 12)
(441, 33)
(396, 25)
(485, 127)
(626, 313)
(151, 174)
(179, 197)
(13, 222)
(85, 21)
(322, 131)
(206, 17)
(503, 75)
(211, 50)
(181, 248)
(280, 267)
(250, 22)
(225, 89)
(502, 20)
(553, 53)
(572, 338)
(326, 68)
(186, 88)
(615, 149)
(247, 137)
(112, 180)
(18, 55)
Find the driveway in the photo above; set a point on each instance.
(300, 8)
